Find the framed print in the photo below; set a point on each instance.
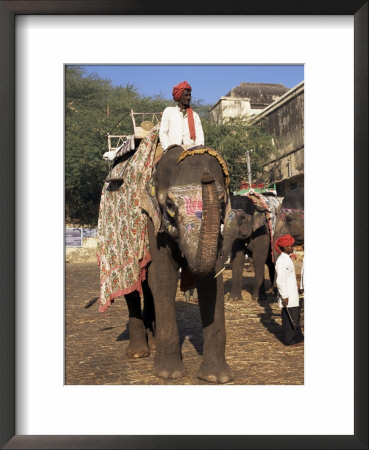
(37, 40)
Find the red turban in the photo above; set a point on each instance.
(177, 92)
(283, 241)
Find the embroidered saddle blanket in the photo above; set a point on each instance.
(123, 244)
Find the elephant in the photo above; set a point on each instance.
(186, 200)
(290, 217)
(249, 234)
(141, 323)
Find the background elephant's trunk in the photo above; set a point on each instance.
(210, 225)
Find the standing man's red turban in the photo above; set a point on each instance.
(177, 92)
(283, 241)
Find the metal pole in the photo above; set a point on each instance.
(248, 168)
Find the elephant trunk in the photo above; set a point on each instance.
(210, 224)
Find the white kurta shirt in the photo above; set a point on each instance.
(286, 281)
(174, 128)
(302, 280)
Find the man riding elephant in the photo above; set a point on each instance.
(180, 125)
(185, 197)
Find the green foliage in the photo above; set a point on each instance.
(232, 140)
(93, 108)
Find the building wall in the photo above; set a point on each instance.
(284, 119)
(287, 123)
(229, 107)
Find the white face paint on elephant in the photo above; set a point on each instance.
(187, 209)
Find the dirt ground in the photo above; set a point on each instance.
(95, 343)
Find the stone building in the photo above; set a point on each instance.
(245, 100)
(284, 119)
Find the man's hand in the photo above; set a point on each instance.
(284, 301)
(301, 291)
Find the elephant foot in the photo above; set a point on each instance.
(150, 340)
(137, 347)
(235, 296)
(169, 367)
(218, 373)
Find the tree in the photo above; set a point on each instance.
(92, 109)
(232, 139)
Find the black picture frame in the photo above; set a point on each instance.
(8, 10)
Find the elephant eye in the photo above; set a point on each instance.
(169, 203)
(171, 208)
(171, 212)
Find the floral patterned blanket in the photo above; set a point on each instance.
(123, 243)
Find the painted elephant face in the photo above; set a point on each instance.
(192, 198)
(183, 210)
(185, 207)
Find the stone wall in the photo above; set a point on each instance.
(245, 100)
(284, 119)
(229, 107)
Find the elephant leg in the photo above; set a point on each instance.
(137, 347)
(260, 248)
(214, 368)
(238, 259)
(149, 314)
(163, 284)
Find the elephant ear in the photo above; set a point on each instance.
(149, 203)
(259, 220)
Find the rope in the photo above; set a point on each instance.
(117, 124)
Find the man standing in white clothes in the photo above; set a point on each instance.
(180, 125)
(288, 296)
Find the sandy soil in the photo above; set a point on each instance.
(96, 342)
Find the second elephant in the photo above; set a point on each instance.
(249, 234)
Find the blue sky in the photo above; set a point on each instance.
(208, 82)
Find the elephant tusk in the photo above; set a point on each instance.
(220, 271)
